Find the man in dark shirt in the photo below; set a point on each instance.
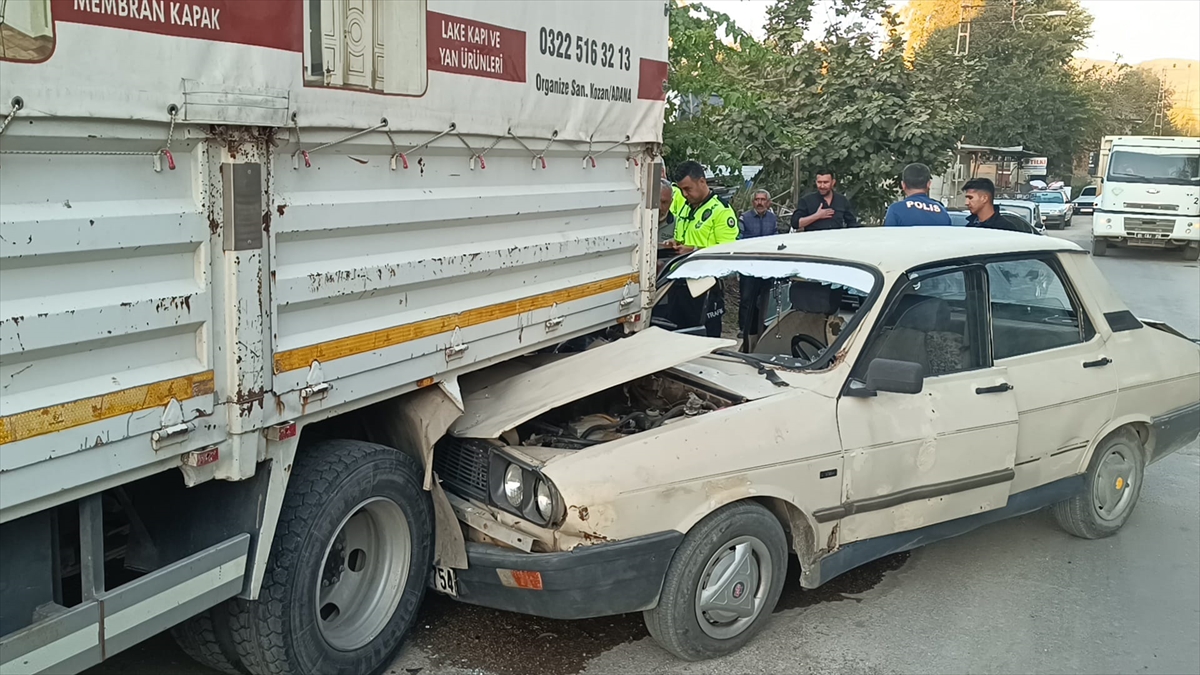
(980, 193)
(823, 209)
(917, 208)
(759, 221)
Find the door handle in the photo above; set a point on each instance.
(1098, 363)
(996, 389)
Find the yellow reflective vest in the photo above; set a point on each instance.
(709, 224)
(677, 200)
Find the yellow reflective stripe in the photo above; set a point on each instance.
(41, 421)
(302, 357)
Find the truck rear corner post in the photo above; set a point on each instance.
(243, 266)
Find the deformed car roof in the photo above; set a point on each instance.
(894, 249)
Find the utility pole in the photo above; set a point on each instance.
(964, 32)
(1161, 105)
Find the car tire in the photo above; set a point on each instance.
(1113, 484)
(348, 505)
(1099, 248)
(743, 536)
(206, 638)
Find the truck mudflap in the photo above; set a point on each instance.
(111, 621)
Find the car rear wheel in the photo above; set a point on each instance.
(1099, 248)
(722, 584)
(1113, 485)
(348, 565)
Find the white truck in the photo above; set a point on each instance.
(1149, 195)
(246, 249)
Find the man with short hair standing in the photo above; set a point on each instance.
(759, 221)
(981, 194)
(823, 209)
(666, 219)
(917, 208)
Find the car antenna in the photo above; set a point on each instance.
(781, 247)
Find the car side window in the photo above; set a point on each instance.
(930, 323)
(1032, 309)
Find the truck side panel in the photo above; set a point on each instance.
(442, 263)
(106, 334)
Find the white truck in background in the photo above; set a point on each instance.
(246, 248)
(1149, 194)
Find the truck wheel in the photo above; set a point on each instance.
(1099, 248)
(1114, 482)
(1190, 252)
(206, 638)
(722, 583)
(348, 566)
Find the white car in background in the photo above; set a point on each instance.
(1057, 210)
(904, 385)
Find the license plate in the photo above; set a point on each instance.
(445, 580)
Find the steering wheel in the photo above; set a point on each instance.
(801, 345)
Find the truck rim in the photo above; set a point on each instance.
(363, 574)
(733, 588)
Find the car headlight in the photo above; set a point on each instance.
(514, 485)
(544, 500)
(520, 489)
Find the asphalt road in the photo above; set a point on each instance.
(1015, 597)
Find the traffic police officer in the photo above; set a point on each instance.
(704, 220)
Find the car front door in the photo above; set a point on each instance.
(915, 460)
(1062, 379)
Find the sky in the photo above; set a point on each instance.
(1137, 30)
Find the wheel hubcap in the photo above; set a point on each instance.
(1111, 493)
(363, 574)
(733, 588)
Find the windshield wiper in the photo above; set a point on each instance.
(772, 376)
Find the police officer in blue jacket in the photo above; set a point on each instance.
(916, 209)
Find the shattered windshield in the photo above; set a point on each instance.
(785, 312)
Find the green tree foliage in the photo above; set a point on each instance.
(843, 101)
(1026, 87)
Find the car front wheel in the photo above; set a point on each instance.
(1114, 482)
(722, 584)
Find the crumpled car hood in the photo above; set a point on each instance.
(502, 405)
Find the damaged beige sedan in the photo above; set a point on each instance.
(896, 387)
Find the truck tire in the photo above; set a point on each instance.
(1113, 485)
(1099, 248)
(742, 545)
(206, 638)
(348, 565)
(1190, 252)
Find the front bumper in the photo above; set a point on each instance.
(590, 581)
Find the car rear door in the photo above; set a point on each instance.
(915, 460)
(1064, 385)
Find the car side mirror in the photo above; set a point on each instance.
(899, 377)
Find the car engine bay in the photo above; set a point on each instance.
(639, 405)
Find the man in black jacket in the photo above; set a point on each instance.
(823, 209)
(981, 194)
